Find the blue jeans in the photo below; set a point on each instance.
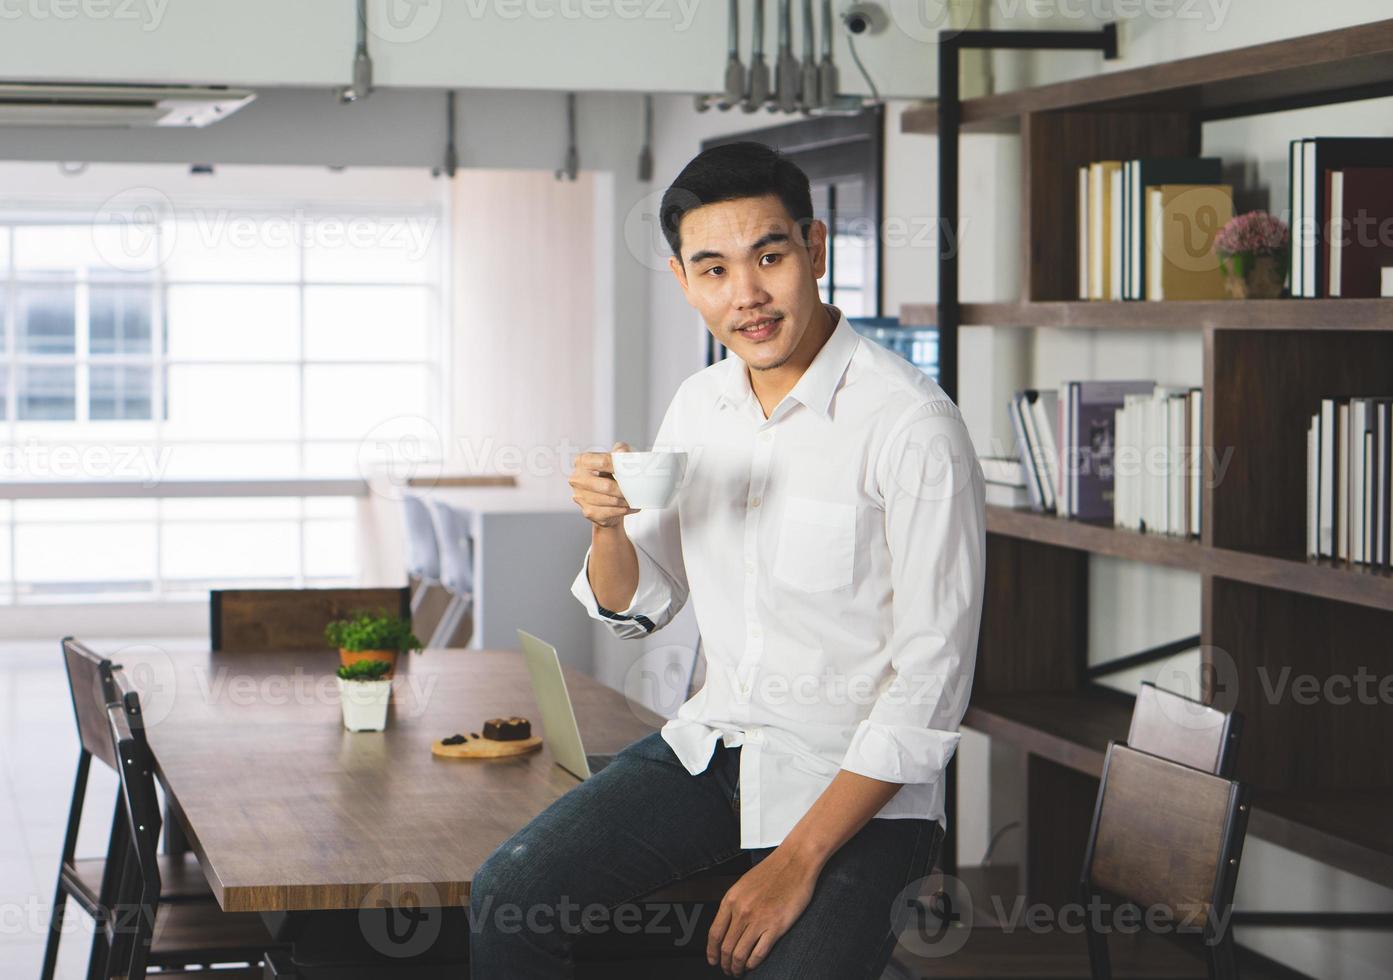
(642, 822)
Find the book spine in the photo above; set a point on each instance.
(1032, 483)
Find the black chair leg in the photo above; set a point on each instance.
(1221, 960)
(55, 930)
(1099, 963)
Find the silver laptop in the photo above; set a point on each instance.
(561, 733)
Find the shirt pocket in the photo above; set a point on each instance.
(817, 545)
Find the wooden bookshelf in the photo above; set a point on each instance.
(1319, 69)
(1321, 776)
(1258, 314)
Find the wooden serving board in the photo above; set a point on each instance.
(486, 748)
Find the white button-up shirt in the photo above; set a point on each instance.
(834, 554)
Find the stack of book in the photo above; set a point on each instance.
(1157, 464)
(1348, 456)
(1005, 479)
(1341, 203)
(1146, 228)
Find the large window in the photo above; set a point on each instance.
(205, 344)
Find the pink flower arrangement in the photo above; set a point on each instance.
(1254, 233)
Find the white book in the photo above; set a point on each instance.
(1083, 232)
(1196, 459)
(1367, 493)
(1155, 246)
(1312, 489)
(1342, 484)
(1325, 505)
(1037, 456)
(1046, 413)
(1308, 219)
(1136, 216)
(1175, 461)
(1115, 235)
(1358, 426)
(1336, 231)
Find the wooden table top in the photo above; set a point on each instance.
(288, 811)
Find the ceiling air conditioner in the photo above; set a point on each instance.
(122, 106)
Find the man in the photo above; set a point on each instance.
(830, 533)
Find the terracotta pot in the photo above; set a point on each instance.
(349, 657)
(1254, 276)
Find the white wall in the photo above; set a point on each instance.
(584, 45)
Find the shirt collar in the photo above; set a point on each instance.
(819, 382)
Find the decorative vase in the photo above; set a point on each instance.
(365, 704)
(1250, 276)
(350, 657)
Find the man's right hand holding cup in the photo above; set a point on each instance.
(595, 490)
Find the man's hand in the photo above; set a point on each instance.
(758, 909)
(593, 487)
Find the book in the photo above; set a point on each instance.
(1032, 478)
(1100, 228)
(1312, 481)
(1182, 222)
(1115, 251)
(1046, 412)
(1093, 409)
(1036, 452)
(1359, 200)
(1319, 155)
(1003, 469)
(1004, 495)
(1329, 469)
(1138, 176)
(1083, 232)
(1196, 460)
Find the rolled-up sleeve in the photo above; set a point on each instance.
(662, 578)
(935, 525)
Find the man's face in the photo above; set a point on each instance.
(746, 269)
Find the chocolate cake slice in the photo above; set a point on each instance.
(507, 729)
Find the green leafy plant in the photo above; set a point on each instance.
(365, 670)
(365, 631)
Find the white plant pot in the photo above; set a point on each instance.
(365, 704)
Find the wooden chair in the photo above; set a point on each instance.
(140, 931)
(291, 619)
(1165, 836)
(1183, 730)
(91, 684)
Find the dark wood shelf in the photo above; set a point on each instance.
(1318, 69)
(1254, 314)
(1358, 584)
(1348, 828)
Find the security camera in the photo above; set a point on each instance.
(865, 18)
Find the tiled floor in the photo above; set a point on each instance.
(38, 760)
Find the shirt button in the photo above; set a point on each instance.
(754, 631)
(755, 502)
(765, 436)
(750, 567)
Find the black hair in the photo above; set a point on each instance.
(729, 172)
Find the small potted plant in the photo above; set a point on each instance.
(365, 690)
(365, 636)
(1252, 251)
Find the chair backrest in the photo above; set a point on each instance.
(137, 895)
(456, 548)
(1183, 730)
(291, 619)
(91, 687)
(1166, 835)
(422, 551)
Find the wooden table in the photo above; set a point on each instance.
(288, 811)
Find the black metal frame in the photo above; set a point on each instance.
(951, 44)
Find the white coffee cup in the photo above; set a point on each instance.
(649, 480)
